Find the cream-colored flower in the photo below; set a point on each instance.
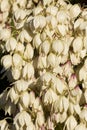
(75, 58)
(45, 47)
(24, 36)
(13, 95)
(4, 125)
(42, 63)
(21, 85)
(61, 105)
(51, 60)
(72, 81)
(67, 69)
(20, 48)
(75, 10)
(49, 97)
(39, 21)
(56, 84)
(37, 10)
(28, 71)
(20, 14)
(29, 52)
(78, 22)
(63, 17)
(22, 3)
(57, 46)
(21, 119)
(74, 108)
(70, 123)
(81, 126)
(52, 10)
(16, 73)
(47, 2)
(5, 5)
(51, 21)
(17, 60)
(32, 98)
(11, 44)
(31, 126)
(5, 34)
(37, 40)
(62, 117)
(36, 104)
(75, 95)
(83, 114)
(43, 36)
(40, 120)
(62, 29)
(25, 99)
(82, 74)
(77, 44)
(6, 61)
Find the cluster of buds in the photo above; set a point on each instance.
(44, 46)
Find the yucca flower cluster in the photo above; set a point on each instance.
(44, 47)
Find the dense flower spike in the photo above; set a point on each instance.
(44, 47)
